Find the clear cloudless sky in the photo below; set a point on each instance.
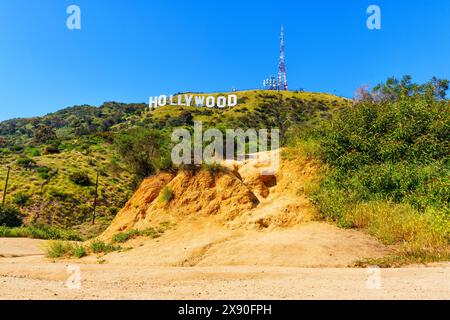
(130, 50)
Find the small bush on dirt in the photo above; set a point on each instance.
(131, 234)
(125, 236)
(61, 249)
(56, 249)
(10, 217)
(79, 251)
(214, 168)
(166, 195)
(98, 246)
(152, 233)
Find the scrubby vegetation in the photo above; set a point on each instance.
(44, 232)
(166, 195)
(385, 160)
(98, 246)
(388, 168)
(80, 178)
(131, 234)
(10, 217)
(68, 249)
(59, 249)
(145, 150)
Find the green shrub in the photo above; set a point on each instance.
(125, 236)
(166, 194)
(113, 211)
(131, 234)
(56, 249)
(152, 233)
(79, 251)
(16, 148)
(80, 178)
(52, 149)
(10, 217)
(410, 129)
(43, 172)
(33, 152)
(25, 162)
(60, 195)
(387, 171)
(44, 232)
(21, 199)
(98, 246)
(61, 249)
(214, 168)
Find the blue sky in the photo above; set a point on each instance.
(129, 50)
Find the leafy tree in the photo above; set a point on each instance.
(2, 142)
(44, 134)
(145, 150)
(394, 89)
(187, 118)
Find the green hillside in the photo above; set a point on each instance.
(54, 158)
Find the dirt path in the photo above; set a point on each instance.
(35, 277)
(114, 282)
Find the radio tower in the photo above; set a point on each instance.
(282, 79)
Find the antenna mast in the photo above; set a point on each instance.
(282, 79)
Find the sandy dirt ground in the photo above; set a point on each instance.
(230, 236)
(25, 273)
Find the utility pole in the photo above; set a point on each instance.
(6, 186)
(95, 199)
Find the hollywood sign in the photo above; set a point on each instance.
(193, 100)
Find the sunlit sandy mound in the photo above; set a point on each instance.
(238, 197)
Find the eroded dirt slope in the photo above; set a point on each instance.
(237, 217)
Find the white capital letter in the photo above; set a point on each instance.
(153, 103)
(232, 100)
